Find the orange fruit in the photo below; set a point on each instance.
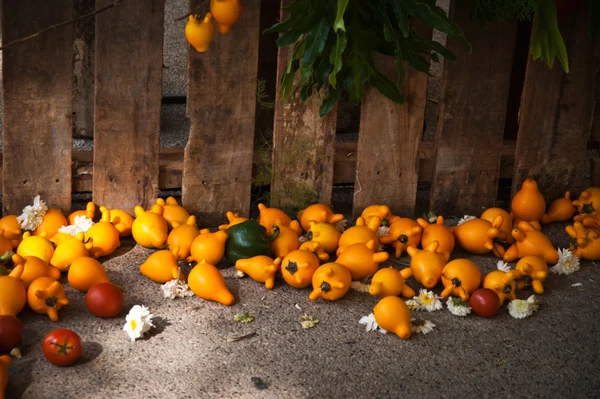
(85, 272)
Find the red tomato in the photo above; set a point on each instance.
(485, 302)
(104, 300)
(62, 347)
(11, 330)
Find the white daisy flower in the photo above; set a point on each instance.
(307, 321)
(503, 266)
(371, 324)
(428, 300)
(421, 326)
(567, 262)
(176, 289)
(533, 303)
(520, 308)
(138, 322)
(383, 231)
(413, 304)
(359, 286)
(458, 307)
(81, 225)
(341, 225)
(33, 215)
(465, 218)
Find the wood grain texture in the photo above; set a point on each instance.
(221, 105)
(472, 116)
(303, 152)
(128, 84)
(37, 103)
(556, 115)
(388, 142)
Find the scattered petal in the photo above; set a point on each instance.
(359, 286)
(383, 231)
(428, 300)
(240, 274)
(341, 225)
(33, 215)
(303, 238)
(519, 308)
(576, 285)
(176, 289)
(307, 321)
(16, 353)
(568, 263)
(297, 307)
(413, 304)
(431, 217)
(458, 307)
(465, 218)
(371, 324)
(503, 266)
(138, 322)
(533, 302)
(243, 318)
(418, 325)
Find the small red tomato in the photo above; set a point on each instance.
(485, 302)
(11, 330)
(62, 347)
(104, 300)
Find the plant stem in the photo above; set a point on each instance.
(193, 11)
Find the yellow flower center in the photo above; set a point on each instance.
(133, 324)
(426, 299)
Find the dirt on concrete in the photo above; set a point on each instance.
(554, 353)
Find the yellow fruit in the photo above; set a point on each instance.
(206, 282)
(359, 234)
(172, 211)
(46, 296)
(68, 250)
(122, 220)
(362, 260)
(298, 268)
(318, 213)
(88, 212)
(13, 295)
(209, 247)
(51, 222)
(325, 234)
(233, 219)
(150, 229)
(38, 246)
(330, 281)
(85, 272)
(103, 235)
(286, 242)
(460, 277)
(12, 229)
(391, 282)
(392, 314)
(226, 13)
(182, 236)
(260, 268)
(33, 268)
(200, 32)
(316, 249)
(161, 266)
(5, 361)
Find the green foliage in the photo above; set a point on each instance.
(333, 42)
(261, 95)
(546, 41)
(491, 10)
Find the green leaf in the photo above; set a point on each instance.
(339, 17)
(401, 17)
(315, 42)
(336, 57)
(436, 18)
(355, 78)
(384, 84)
(328, 103)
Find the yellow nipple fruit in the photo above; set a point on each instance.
(460, 277)
(271, 216)
(588, 206)
(286, 242)
(505, 231)
(161, 266)
(86, 272)
(13, 295)
(427, 264)
(199, 32)
(233, 219)
(531, 271)
(12, 229)
(298, 267)
(150, 229)
(403, 232)
(172, 211)
(33, 268)
(38, 246)
(501, 282)
(391, 282)
(330, 281)
(182, 236)
(437, 232)
(206, 282)
(226, 13)
(587, 241)
(383, 212)
(5, 361)
(122, 220)
(46, 296)
(103, 235)
(361, 233)
(89, 212)
(477, 236)
(528, 204)
(393, 315)
(52, 221)
(208, 246)
(260, 268)
(68, 250)
(560, 210)
(318, 213)
(317, 250)
(362, 260)
(325, 234)
(530, 241)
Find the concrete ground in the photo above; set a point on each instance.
(554, 353)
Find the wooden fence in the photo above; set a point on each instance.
(214, 171)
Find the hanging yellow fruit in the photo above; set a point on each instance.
(226, 13)
(200, 32)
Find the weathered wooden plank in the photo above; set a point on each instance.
(472, 116)
(37, 104)
(556, 115)
(221, 104)
(128, 84)
(303, 153)
(388, 142)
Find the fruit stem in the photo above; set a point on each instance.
(193, 11)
